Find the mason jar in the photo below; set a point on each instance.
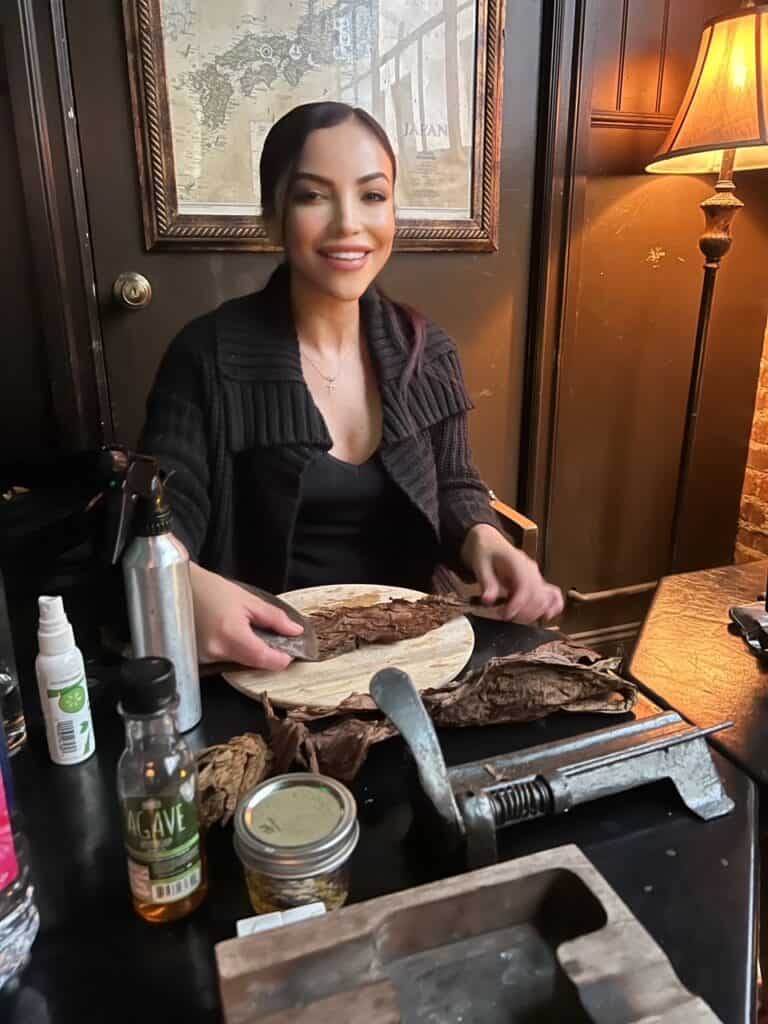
(294, 835)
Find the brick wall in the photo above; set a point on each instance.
(752, 536)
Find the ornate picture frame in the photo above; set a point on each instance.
(189, 90)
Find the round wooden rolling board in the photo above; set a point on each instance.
(430, 660)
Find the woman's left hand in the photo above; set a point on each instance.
(503, 570)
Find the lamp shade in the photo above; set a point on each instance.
(726, 101)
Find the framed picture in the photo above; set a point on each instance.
(208, 80)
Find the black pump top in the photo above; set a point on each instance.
(147, 686)
(153, 513)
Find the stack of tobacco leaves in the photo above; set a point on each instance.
(556, 676)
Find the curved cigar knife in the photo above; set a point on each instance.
(302, 647)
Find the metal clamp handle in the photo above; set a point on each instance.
(394, 693)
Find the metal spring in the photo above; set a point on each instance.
(520, 800)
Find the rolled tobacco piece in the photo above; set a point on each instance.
(345, 628)
(227, 771)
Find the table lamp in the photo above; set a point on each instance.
(721, 127)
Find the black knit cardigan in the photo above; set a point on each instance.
(230, 413)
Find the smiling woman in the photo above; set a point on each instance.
(317, 429)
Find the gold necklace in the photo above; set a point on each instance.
(330, 382)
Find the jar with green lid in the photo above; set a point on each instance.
(294, 835)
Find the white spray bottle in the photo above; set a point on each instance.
(62, 685)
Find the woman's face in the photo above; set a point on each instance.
(339, 221)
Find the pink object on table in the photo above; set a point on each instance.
(9, 866)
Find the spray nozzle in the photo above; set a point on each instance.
(154, 513)
(141, 493)
(54, 631)
(51, 610)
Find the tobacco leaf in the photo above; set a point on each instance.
(345, 628)
(290, 740)
(343, 747)
(355, 703)
(523, 687)
(227, 771)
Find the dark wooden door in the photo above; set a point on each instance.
(480, 299)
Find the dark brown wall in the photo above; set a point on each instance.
(25, 413)
(632, 299)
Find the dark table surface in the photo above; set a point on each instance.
(691, 883)
(689, 659)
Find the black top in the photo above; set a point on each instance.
(355, 525)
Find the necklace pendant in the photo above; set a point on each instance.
(331, 386)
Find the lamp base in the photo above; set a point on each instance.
(719, 211)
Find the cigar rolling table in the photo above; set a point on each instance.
(690, 883)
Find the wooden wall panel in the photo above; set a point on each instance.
(683, 38)
(25, 413)
(627, 338)
(606, 68)
(58, 247)
(644, 50)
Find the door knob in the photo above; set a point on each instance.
(132, 290)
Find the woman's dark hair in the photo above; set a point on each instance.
(286, 138)
(280, 157)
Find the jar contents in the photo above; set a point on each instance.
(158, 789)
(268, 894)
(294, 835)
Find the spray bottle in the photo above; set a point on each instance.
(125, 511)
(63, 689)
(159, 597)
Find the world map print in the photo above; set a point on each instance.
(233, 68)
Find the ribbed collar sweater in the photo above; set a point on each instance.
(231, 415)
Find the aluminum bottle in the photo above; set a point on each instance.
(159, 598)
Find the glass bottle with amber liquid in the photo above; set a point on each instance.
(158, 790)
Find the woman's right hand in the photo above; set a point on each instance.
(223, 616)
